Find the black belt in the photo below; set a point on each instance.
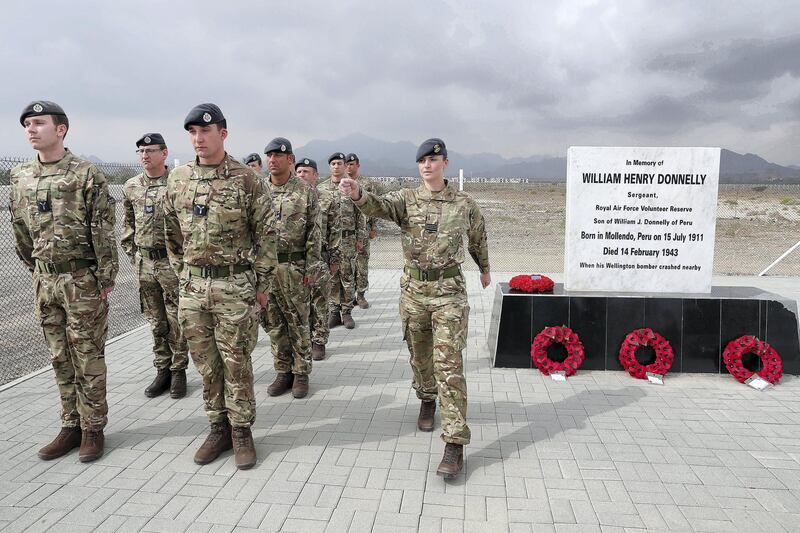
(287, 257)
(153, 253)
(213, 271)
(64, 266)
(433, 274)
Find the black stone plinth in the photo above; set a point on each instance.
(697, 326)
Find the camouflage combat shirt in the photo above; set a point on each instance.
(219, 216)
(294, 205)
(143, 225)
(63, 211)
(432, 225)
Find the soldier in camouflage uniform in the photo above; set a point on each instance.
(294, 204)
(362, 246)
(254, 161)
(354, 229)
(143, 242)
(63, 222)
(221, 244)
(433, 300)
(331, 237)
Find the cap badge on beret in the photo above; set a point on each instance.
(38, 108)
(147, 140)
(283, 148)
(341, 155)
(207, 117)
(305, 161)
(436, 148)
(352, 158)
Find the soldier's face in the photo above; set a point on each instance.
(431, 167)
(42, 132)
(308, 174)
(153, 158)
(352, 169)
(255, 165)
(279, 163)
(337, 168)
(208, 141)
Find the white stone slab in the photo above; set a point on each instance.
(641, 219)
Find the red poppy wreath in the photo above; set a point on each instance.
(645, 337)
(732, 355)
(552, 335)
(531, 283)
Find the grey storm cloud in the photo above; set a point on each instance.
(516, 78)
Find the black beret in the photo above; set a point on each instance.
(279, 144)
(431, 147)
(40, 107)
(203, 115)
(353, 157)
(252, 157)
(306, 162)
(334, 157)
(149, 139)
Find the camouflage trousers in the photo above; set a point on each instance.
(75, 323)
(219, 318)
(342, 285)
(286, 320)
(435, 316)
(318, 310)
(158, 295)
(362, 270)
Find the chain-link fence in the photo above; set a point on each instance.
(525, 221)
(23, 349)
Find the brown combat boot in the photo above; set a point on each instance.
(362, 301)
(282, 383)
(66, 440)
(426, 410)
(91, 446)
(347, 320)
(452, 461)
(335, 319)
(244, 450)
(160, 384)
(300, 386)
(218, 441)
(178, 387)
(317, 351)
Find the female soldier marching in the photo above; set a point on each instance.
(433, 300)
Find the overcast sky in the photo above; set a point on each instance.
(516, 78)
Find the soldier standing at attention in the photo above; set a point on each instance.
(331, 238)
(143, 241)
(362, 246)
(63, 222)
(254, 161)
(294, 204)
(354, 229)
(433, 297)
(218, 218)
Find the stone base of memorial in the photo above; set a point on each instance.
(697, 326)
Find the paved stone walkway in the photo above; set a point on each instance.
(602, 452)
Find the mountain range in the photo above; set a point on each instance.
(382, 158)
(386, 158)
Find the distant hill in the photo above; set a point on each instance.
(382, 158)
(385, 158)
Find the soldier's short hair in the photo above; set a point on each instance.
(59, 120)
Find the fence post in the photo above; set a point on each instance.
(460, 179)
(781, 258)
